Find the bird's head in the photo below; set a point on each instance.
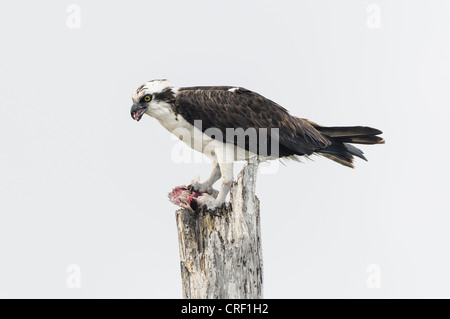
(149, 97)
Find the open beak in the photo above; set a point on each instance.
(137, 111)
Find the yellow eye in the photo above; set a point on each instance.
(147, 98)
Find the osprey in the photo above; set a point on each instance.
(229, 123)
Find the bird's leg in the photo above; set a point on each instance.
(227, 179)
(225, 158)
(206, 186)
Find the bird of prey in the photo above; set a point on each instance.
(229, 124)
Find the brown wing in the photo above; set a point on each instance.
(220, 108)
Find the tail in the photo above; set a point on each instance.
(340, 150)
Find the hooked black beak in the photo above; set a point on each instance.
(137, 111)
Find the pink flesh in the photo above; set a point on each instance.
(181, 196)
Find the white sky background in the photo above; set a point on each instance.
(81, 183)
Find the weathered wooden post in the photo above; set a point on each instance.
(221, 256)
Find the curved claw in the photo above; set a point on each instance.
(203, 188)
(206, 210)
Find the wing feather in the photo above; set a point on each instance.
(222, 108)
